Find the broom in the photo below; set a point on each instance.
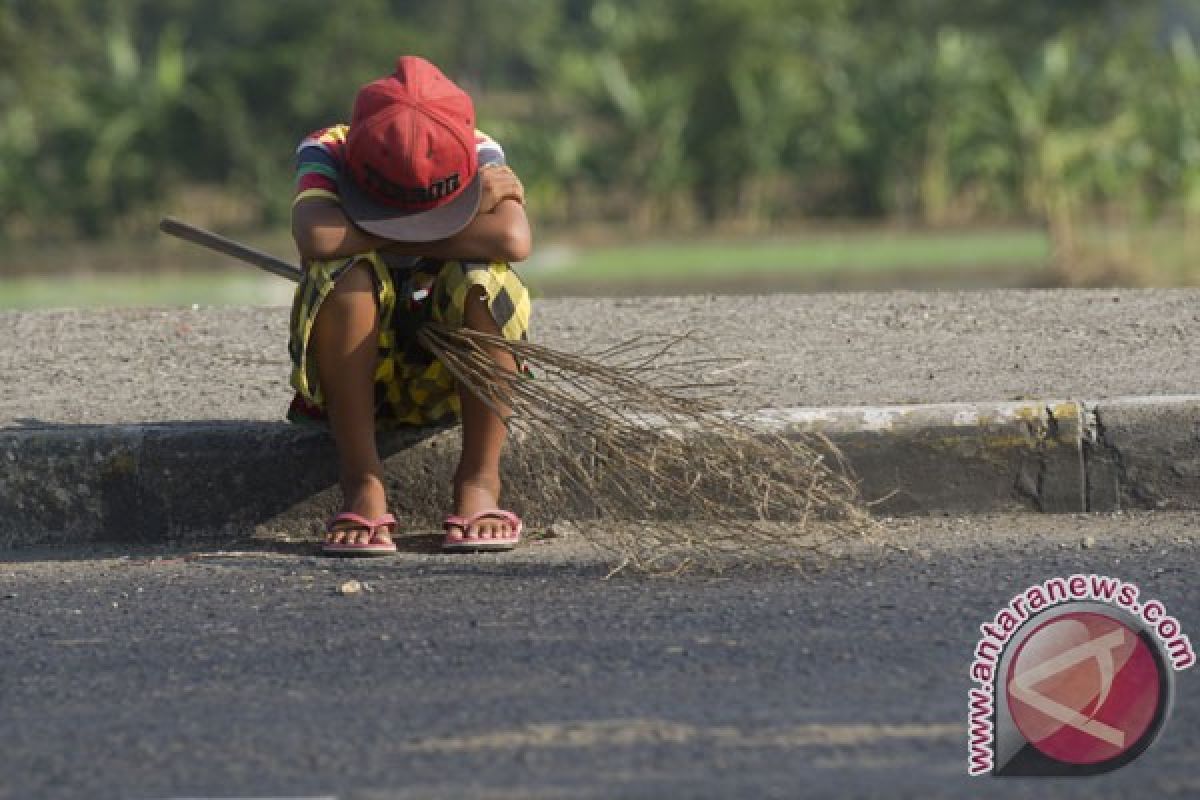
(631, 434)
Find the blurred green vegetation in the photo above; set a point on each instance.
(816, 255)
(851, 259)
(679, 115)
(153, 290)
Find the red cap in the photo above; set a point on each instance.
(411, 171)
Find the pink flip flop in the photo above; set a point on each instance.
(373, 547)
(456, 538)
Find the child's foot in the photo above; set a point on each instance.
(365, 497)
(473, 495)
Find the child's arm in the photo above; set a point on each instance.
(322, 231)
(499, 235)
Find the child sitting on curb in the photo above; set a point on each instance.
(405, 214)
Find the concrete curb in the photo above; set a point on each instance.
(75, 485)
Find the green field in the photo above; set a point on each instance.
(869, 252)
(876, 256)
(120, 290)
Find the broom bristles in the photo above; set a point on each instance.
(637, 434)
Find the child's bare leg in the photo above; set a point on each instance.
(345, 339)
(477, 479)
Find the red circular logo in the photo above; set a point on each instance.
(1083, 688)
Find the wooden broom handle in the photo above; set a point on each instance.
(266, 261)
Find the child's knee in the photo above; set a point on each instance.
(476, 314)
(358, 277)
(350, 303)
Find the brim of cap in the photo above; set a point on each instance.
(420, 226)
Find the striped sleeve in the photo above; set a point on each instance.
(318, 159)
(489, 152)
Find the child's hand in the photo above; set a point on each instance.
(499, 183)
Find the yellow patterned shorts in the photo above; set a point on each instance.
(411, 386)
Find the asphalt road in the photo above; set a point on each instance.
(200, 672)
(137, 366)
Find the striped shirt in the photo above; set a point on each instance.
(322, 153)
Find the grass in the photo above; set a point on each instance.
(1162, 254)
(859, 252)
(197, 277)
(119, 290)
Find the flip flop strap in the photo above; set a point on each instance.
(508, 516)
(372, 526)
(349, 516)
